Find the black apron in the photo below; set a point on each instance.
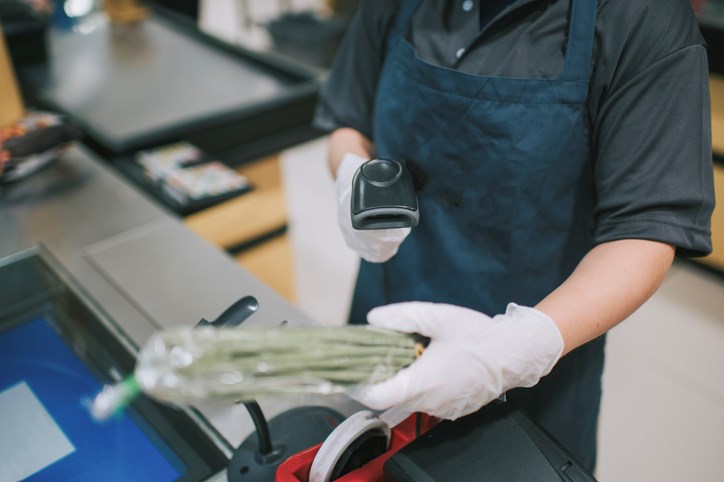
(505, 189)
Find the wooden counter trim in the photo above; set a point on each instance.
(11, 104)
(272, 262)
(716, 89)
(242, 219)
(247, 217)
(252, 227)
(716, 259)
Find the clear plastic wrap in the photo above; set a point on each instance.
(189, 365)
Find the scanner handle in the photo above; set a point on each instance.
(235, 314)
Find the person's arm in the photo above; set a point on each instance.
(473, 358)
(609, 284)
(346, 99)
(347, 141)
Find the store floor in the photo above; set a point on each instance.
(662, 415)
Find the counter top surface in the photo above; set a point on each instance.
(133, 86)
(137, 262)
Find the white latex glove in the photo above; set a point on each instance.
(375, 245)
(471, 360)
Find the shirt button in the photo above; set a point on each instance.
(459, 53)
(468, 5)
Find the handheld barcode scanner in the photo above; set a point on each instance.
(383, 196)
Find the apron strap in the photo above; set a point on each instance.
(581, 31)
(402, 20)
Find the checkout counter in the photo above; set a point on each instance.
(161, 80)
(147, 85)
(141, 86)
(91, 266)
(82, 289)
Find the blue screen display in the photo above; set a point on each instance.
(121, 450)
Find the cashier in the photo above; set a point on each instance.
(561, 152)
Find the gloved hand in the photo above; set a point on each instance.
(375, 245)
(471, 360)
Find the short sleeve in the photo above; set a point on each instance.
(347, 96)
(651, 136)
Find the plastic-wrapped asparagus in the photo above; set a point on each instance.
(189, 365)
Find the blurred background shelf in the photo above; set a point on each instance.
(253, 227)
(716, 259)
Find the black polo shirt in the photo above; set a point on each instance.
(648, 104)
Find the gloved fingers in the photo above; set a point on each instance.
(393, 235)
(370, 249)
(347, 167)
(452, 409)
(434, 320)
(343, 213)
(383, 239)
(425, 387)
(400, 389)
(383, 395)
